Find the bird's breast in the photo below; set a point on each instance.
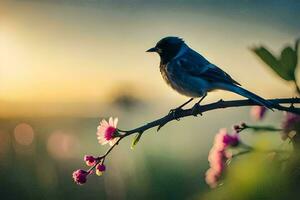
(177, 81)
(164, 73)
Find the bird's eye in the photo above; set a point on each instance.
(159, 50)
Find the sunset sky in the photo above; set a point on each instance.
(65, 51)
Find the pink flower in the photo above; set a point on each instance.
(218, 141)
(80, 175)
(258, 112)
(223, 140)
(217, 161)
(231, 140)
(290, 123)
(211, 178)
(100, 168)
(218, 156)
(106, 131)
(90, 160)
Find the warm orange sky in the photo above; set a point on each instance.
(58, 53)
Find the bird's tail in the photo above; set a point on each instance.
(245, 93)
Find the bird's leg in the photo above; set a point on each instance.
(197, 105)
(179, 107)
(173, 111)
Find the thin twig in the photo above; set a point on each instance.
(262, 128)
(102, 158)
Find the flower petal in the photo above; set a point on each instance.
(111, 121)
(104, 123)
(116, 122)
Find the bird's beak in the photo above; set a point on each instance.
(151, 50)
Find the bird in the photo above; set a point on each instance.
(192, 75)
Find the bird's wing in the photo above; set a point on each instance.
(214, 73)
(194, 65)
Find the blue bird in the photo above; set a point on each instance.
(190, 74)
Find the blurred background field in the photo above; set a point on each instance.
(64, 65)
(38, 156)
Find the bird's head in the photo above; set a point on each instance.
(167, 48)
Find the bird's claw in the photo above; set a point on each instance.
(195, 110)
(174, 113)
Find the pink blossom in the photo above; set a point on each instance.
(79, 176)
(90, 160)
(223, 139)
(231, 140)
(218, 141)
(216, 160)
(100, 168)
(211, 178)
(218, 156)
(106, 131)
(258, 112)
(290, 123)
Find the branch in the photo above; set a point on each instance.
(212, 106)
(199, 110)
(194, 111)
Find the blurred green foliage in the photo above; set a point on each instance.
(251, 177)
(285, 65)
(259, 175)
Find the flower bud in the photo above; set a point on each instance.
(100, 168)
(89, 160)
(79, 176)
(258, 112)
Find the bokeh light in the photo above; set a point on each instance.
(24, 134)
(62, 145)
